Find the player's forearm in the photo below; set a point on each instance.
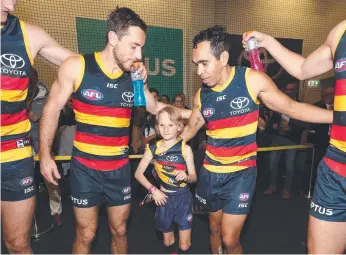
(48, 127)
(310, 113)
(192, 178)
(152, 105)
(188, 133)
(185, 113)
(290, 61)
(149, 138)
(142, 180)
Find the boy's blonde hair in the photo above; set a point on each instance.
(174, 116)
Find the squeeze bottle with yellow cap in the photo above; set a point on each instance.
(138, 87)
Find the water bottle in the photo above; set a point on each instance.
(252, 48)
(138, 87)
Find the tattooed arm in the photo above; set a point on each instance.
(196, 121)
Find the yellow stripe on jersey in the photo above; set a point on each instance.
(16, 154)
(341, 145)
(340, 103)
(13, 95)
(229, 160)
(162, 177)
(102, 120)
(104, 68)
(224, 169)
(252, 94)
(227, 83)
(99, 149)
(165, 178)
(147, 148)
(26, 42)
(235, 132)
(18, 128)
(199, 99)
(183, 151)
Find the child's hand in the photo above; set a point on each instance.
(159, 197)
(181, 176)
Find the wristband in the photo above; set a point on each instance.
(151, 189)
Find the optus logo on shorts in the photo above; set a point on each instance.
(92, 94)
(127, 190)
(244, 196)
(26, 181)
(189, 218)
(321, 210)
(200, 199)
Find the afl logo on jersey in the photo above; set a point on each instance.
(92, 94)
(340, 65)
(208, 112)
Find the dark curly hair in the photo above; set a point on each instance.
(121, 19)
(218, 38)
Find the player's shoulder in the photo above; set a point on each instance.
(73, 66)
(34, 32)
(336, 32)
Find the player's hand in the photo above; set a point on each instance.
(159, 197)
(181, 176)
(49, 170)
(142, 70)
(258, 35)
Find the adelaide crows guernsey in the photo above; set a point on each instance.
(102, 103)
(336, 152)
(16, 66)
(231, 113)
(168, 163)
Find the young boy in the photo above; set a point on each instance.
(172, 157)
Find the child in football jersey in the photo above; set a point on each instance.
(173, 161)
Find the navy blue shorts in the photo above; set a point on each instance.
(231, 192)
(17, 180)
(91, 187)
(329, 200)
(177, 210)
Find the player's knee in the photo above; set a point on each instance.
(230, 241)
(184, 246)
(119, 230)
(168, 241)
(18, 244)
(86, 235)
(215, 229)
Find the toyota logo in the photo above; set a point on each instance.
(12, 61)
(127, 97)
(239, 103)
(172, 158)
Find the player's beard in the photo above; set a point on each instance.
(118, 60)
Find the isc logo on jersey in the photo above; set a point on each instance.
(92, 94)
(340, 65)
